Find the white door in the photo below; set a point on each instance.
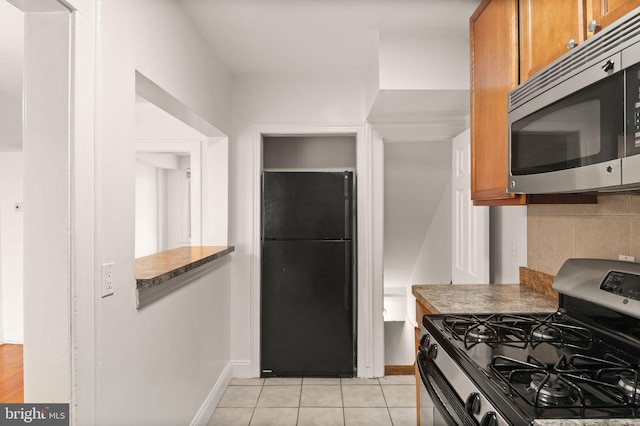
(470, 256)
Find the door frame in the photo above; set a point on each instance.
(370, 329)
(60, 204)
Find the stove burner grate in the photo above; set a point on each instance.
(607, 384)
(560, 334)
(518, 330)
(492, 330)
(626, 379)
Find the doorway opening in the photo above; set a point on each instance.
(308, 257)
(11, 207)
(417, 236)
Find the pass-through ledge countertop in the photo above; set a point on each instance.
(159, 268)
(534, 294)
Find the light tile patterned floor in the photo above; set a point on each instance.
(389, 401)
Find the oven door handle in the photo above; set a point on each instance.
(434, 381)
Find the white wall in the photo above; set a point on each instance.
(260, 99)
(10, 123)
(424, 59)
(433, 263)
(508, 243)
(372, 77)
(177, 205)
(156, 365)
(417, 176)
(162, 215)
(155, 124)
(146, 207)
(399, 343)
(11, 247)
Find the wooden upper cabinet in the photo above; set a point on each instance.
(510, 41)
(547, 28)
(493, 30)
(605, 12)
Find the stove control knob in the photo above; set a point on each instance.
(424, 341)
(432, 352)
(489, 419)
(472, 405)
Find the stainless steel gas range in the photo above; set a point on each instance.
(581, 362)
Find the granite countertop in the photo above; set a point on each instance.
(533, 294)
(483, 298)
(158, 268)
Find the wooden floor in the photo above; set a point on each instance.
(11, 374)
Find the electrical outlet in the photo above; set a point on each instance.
(626, 258)
(514, 247)
(107, 279)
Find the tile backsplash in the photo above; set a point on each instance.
(604, 230)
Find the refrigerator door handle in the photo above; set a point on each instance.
(347, 207)
(347, 277)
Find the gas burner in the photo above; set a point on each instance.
(480, 333)
(550, 390)
(493, 330)
(560, 334)
(629, 385)
(546, 333)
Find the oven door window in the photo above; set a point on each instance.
(584, 128)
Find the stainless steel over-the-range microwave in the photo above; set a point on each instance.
(575, 125)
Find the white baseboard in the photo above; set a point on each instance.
(244, 369)
(12, 342)
(211, 402)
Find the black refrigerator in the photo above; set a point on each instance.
(308, 296)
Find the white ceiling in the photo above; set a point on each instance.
(337, 36)
(313, 35)
(275, 35)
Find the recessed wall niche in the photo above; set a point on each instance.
(309, 152)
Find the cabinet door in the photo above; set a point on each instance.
(546, 28)
(605, 12)
(493, 32)
(421, 311)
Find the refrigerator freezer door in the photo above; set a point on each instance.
(307, 306)
(307, 205)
